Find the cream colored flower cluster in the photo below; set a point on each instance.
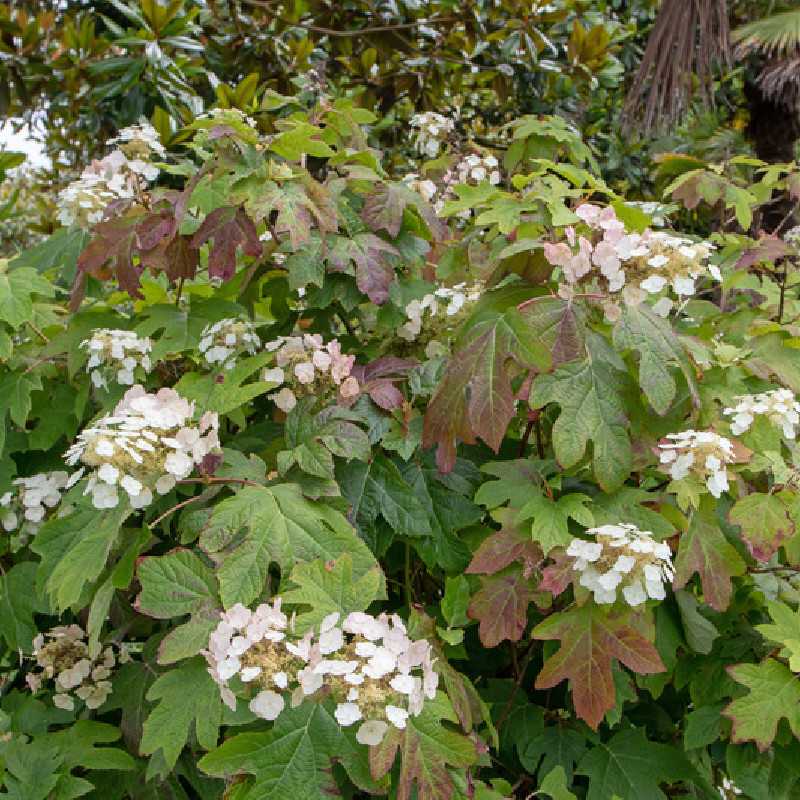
(148, 443)
(622, 557)
(26, 508)
(223, 342)
(779, 406)
(638, 265)
(118, 176)
(704, 454)
(433, 132)
(377, 675)
(308, 366)
(436, 313)
(62, 655)
(116, 354)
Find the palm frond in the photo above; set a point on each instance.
(780, 81)
(771, 36)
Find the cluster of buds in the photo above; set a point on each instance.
(116, 353)
(779, 406)
(223, 342)
(704, 454)
(377, 675)
(622, 556)
(728, 790)
(309, 367)
(147, 443)
(433, 132)
(63, 656)
(438, 312)
(118, 176)
(637, 265)
(26, 508)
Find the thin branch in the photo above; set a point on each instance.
(401, 26)
(176, 507)
(211, 480)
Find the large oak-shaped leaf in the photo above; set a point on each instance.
(659, 351)
(426, 750)
(765, 523)
(774, 694)
(475, 397)
(592, 638)
(230, 228)
(501, 606)
(705, 550)
(591, 411)
(386, 203)
(370, 254)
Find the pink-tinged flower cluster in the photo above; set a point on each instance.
(369, 665)
(148, 443)
(636, 265)
(704, 454)
(63, 656)
(305, 365)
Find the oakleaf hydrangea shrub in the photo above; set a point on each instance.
(443, 473)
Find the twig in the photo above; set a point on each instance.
(409, 587)
(523, 442)
(401, 26)
(523, 666)
(176, 507)
(179, 291)
(210, 480)
(38, 332)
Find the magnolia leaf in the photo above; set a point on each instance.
(259, 525)
(186, 697)
(630, 766)
(74, 550)
(293, 759)
(330, 586)
(550, 526)
(764, 521)
(230, 228)
(785, 630)
(592, 638)
(475, 397)
(659, 349)
(591, 411)
(426, 750)
(174, 585)
(501, 606)
(774, 694)
(704, 550)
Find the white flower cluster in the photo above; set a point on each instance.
(63, 656)
(792, 236)
(116, 353)
(728, 789)
(638, 265)
(422, 186)
(27, 507)
(221, 343)
(437, 311)
(310, 367)
(624, 557)
(369, 665)
(118, 176)
(704, 454)
(146, 443)
(779, 406)
(656, 211)
(433, 131)
(475, 168)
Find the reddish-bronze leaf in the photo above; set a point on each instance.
(505, 547)
(475, 397)
(369, 253)
(767, 248)
(705, 550)
(593, 637)
(385, 204)
(557, 576)
(111, 251)
(229, 228)
(501, 606)
(377, 379)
